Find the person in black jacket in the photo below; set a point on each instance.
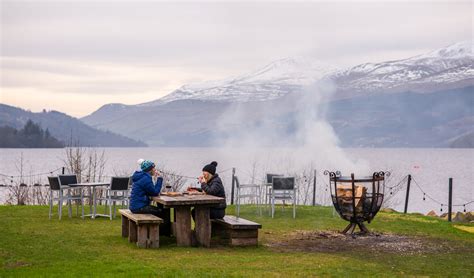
(211, 183)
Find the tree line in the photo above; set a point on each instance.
(30, 136)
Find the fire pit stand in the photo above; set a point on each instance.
(357, 199)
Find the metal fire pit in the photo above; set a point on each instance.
(357, 199)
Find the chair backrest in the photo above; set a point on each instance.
(236, 180)
(270, 177)
(119, 183)
(283, 183)
(54, 183)
(67, 179)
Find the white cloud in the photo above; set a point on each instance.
(38, 83)
(151, 48)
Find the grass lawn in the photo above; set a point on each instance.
(32, 245)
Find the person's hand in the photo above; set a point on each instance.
(202, 179)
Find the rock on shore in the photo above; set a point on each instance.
(455, 217)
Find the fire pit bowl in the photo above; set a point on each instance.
(357, 199)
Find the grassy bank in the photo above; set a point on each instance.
(30, 244)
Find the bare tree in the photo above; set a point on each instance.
(87, 163)
(173, 179)
(304, 183)
(95, 166)
(38, 194)
(18, 191)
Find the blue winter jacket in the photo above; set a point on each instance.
(142, 189)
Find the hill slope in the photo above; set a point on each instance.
(65, 128)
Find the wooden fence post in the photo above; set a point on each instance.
(314, 188)
(232, 189)
(408, 194)
(450, 200)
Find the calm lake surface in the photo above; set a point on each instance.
(430, 168)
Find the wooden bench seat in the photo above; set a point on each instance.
(235, 231)
(144, 229)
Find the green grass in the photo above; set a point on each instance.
(32, 245)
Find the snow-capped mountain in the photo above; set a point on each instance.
(270, 82)
(432, 92)
(444, 68)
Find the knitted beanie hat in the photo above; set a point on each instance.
(147, 165)
(210, 168)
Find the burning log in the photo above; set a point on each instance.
(344, 192)
(357, 200)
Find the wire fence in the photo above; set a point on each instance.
(60, 169)
(391, 187)
(442, 204)
(32, 175)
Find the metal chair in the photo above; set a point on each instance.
(67, 180)
(55, 185)
(117, 185)
(283, 188)
(256, 194)
(268, 189)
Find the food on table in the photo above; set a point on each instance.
(172, 194)
(194, 193)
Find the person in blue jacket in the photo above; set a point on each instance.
(143, 188)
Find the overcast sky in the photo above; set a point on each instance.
(75, 56)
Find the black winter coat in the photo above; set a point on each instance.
(216, 188)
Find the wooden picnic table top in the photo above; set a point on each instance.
(188, 200)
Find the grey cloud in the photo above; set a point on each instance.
(206, 40)
(200, 33)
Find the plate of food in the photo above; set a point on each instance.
(194, 193)
(172, 194)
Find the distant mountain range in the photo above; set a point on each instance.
(463, 141)
(270, 82)
(422, 101)
(446, 68)
(65, 128)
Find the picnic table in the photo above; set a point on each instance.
(182, 211)
(94, 185)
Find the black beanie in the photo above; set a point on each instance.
(210, 168)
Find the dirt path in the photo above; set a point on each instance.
(334, 242)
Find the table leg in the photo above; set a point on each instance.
(203, 226)
(95, 202)
(173, 224)
(90, 198)
(183, 226)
